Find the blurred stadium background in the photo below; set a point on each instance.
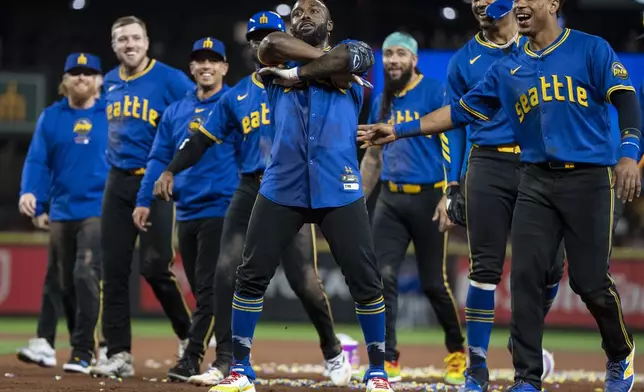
(35, 37)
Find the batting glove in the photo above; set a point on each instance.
(456, 205)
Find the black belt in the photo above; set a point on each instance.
(565, 165)
(257, 176)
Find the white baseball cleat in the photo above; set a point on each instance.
(39, 352)
(212, 376)
(377, 384)
(118, 365)
(339, 370)
(235, 382)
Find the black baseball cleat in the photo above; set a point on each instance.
(185, 368)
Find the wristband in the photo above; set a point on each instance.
(408, 129)
(629, 150)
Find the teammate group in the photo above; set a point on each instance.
(251, 169)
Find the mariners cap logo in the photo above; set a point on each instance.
(82, 60)
(619, 71)
(263, 19)
(207, 43)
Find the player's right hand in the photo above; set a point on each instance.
(629, 181)
(27, 205)
(163, 186)
(41, 221)
(140, 217)
(375, 134)
(456, 205)
(440, 215)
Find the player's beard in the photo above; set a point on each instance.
(315, 37)
(394, 86)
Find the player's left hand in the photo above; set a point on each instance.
(41, 221)
(375, 134)
(629, 181)
(440, 215)
(163, 186)
(140, 217)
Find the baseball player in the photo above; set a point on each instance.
(312, 177)
(202, 195)
(491, 185)
(136, 93)
(244, 110)
(554, 92)
(413, 179)
(66, 166)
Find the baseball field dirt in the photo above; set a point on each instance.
(288, 366)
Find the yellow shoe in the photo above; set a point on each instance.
(393, 371)
(455, 365)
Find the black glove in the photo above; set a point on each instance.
(456, 205)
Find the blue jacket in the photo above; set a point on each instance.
(66, 162)
(204, 190)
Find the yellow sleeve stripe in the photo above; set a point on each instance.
(473, 112)
(617, 88)
(447, 157)
(210, 135)
(445, 148)
(444, 139)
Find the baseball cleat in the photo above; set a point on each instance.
(455, 366)
(185, 368)
(39, 352)
(339, 370)
(378, 385)
(76, 365)
(392, 368)
(620, 375)
(212, 376)
(476, 380)
(235, 382)
(118, 365)
(522, 386)
(102, 355)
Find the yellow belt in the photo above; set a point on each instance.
(138, 172)
(411, 189)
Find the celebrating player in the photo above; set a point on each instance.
(202, 194)
(491, 185)
(312, 177)
(554, 91)
(136, 94)
(66, 166)
(244, 109)
(413, 180)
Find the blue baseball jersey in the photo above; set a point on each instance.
(416, 160)
(66, 162)
(244, 108)
(205, 189)
(135, 105)
(466, 69)
(555, 99)
(314, 160)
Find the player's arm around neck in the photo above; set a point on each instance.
(278, 48)
(370, 169)
(353, 57)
